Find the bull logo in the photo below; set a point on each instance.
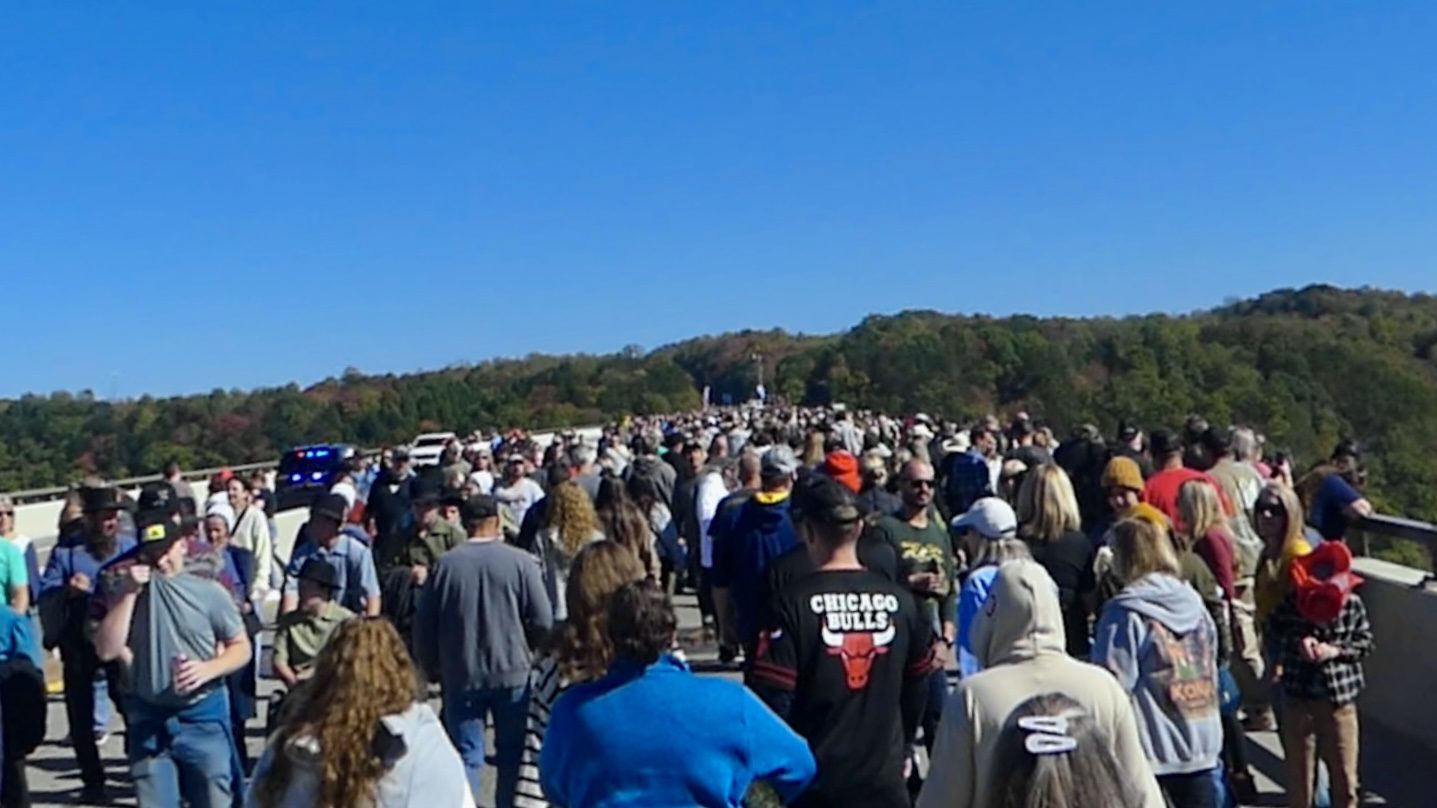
(858, 650)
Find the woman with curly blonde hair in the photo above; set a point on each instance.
(570, 523)
(359, 733)
(579, 650)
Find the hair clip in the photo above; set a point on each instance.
(1047, 735)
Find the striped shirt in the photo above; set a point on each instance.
(545, 687)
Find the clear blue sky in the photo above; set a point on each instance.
(196, 195)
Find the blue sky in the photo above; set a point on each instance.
(234, 195)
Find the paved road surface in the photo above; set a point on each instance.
(1395, 770)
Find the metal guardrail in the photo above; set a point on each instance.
(55, 492)
(1398, 527)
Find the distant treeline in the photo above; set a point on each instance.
(1305, 367)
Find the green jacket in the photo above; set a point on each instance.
(409, 549)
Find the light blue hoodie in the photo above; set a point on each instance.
(422, 768)
(1159, 640)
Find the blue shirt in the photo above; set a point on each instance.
(613, 742)
(352, 562)
(71, 556)
(970, 602)
(1329, 506)
(969, 480)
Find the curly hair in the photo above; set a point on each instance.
(582, 643)
(571, 514)
(363, 674)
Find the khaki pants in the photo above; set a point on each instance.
(1247, 663)
(1332, 730)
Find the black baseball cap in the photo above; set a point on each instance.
(822, 499)
(155, 533)
(1164, 442)
(159, 497)
(476, 508)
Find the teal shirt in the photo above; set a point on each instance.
(13, 572)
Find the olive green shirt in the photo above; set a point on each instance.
(301, 636)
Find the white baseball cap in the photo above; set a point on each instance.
(990, 517)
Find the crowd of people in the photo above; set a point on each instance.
(1116, 613)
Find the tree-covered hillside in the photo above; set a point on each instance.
(1305, 366)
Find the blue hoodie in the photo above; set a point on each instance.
(761, 532)
(614, 742)
(1159, 640)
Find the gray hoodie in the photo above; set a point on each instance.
(1159, 640)
(422, 767)
(1019, 637)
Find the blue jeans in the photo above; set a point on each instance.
(102, 703)
(184, 753)
(464, 714)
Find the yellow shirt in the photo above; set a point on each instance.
(1274, 578)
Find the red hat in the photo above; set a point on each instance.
(843, 467)
(1322, 580)
(223, 476)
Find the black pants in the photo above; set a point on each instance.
(79, 669)
(1196, 790)
(15, 792)
(933, 711)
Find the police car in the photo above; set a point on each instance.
(305, 472)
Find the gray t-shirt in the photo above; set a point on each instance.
(186, 615)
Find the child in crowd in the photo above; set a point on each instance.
(1322, 635)
(303, 633)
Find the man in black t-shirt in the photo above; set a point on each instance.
(845, 659)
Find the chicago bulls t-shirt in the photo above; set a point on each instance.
(845, 661)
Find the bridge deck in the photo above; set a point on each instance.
(1397, 773)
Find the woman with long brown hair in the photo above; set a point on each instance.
(624, 523)
(579, 651)
(360, 734)
(570, 523)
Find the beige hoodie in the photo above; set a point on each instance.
(1020, 641)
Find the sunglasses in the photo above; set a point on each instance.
(1269, 510)
(920, 483)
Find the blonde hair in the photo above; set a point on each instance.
(1141, 548)
(1047, 506)
(1293, 535)
(1201, 512)
(572, 516)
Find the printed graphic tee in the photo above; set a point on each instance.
(845, 644)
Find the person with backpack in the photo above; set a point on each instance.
(70, 576)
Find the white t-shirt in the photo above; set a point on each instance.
(483, 480)
(519, 497)
(348, 491)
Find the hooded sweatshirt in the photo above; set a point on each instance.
(761, 532)
(1157, 637)
(1020, 641)
(421, 766)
